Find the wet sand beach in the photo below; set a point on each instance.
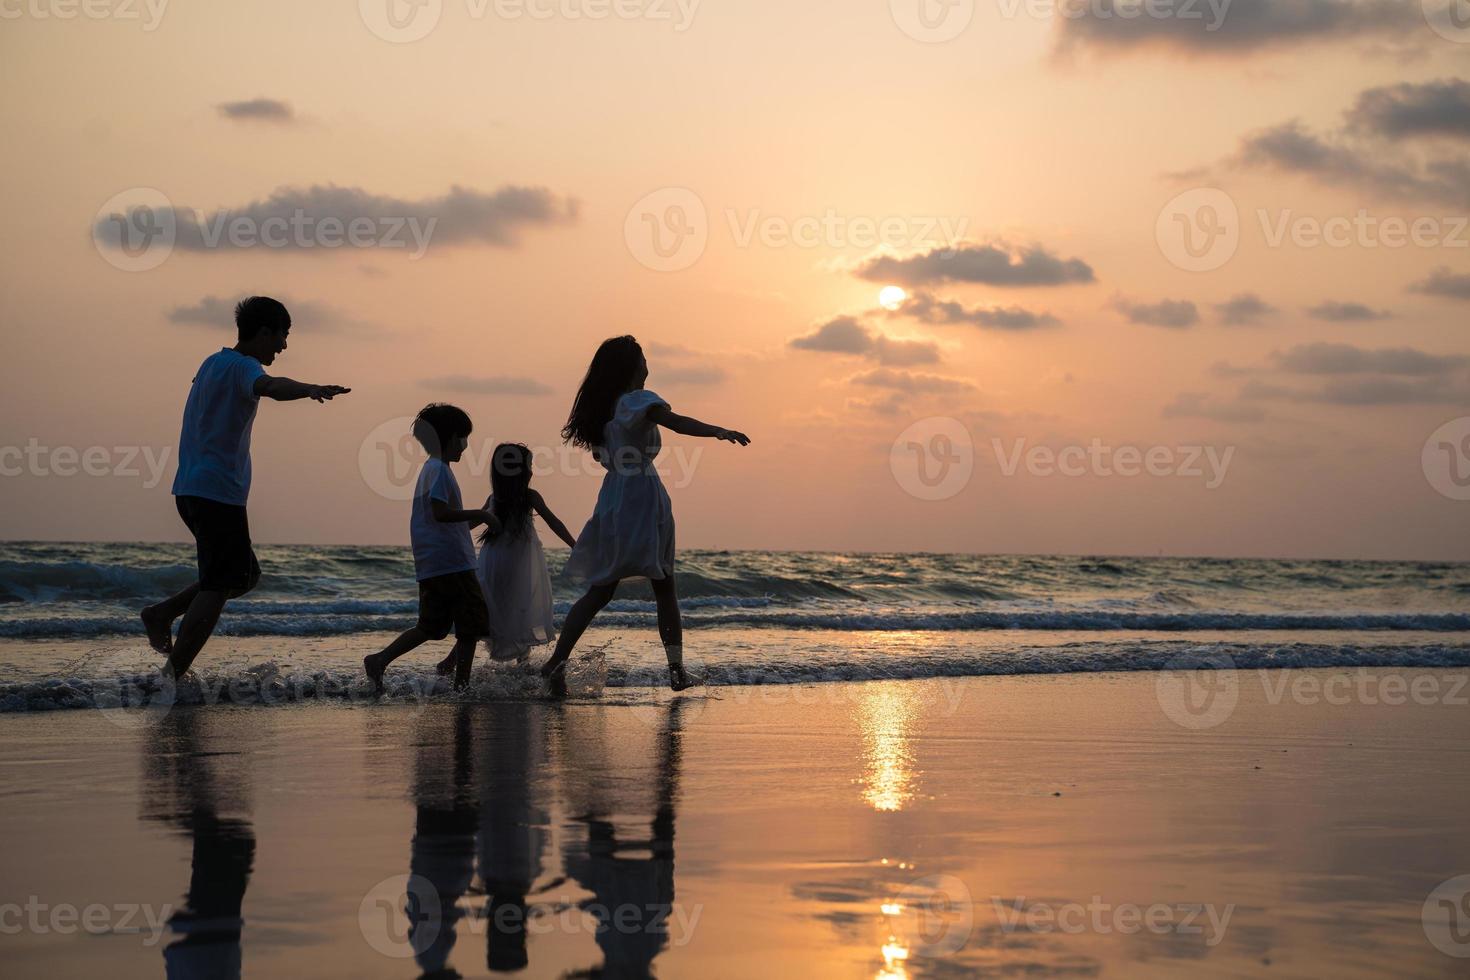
(1083, 825)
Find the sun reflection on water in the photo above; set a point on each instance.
(886, 715)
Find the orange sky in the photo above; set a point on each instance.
(1042, 148)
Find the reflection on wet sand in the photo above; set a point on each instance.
(198, 791)
(481, 785)
(886, 714)
(630, 872)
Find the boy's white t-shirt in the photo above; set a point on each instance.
(439, 547)
(214, 444)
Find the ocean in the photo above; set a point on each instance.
(69, 619)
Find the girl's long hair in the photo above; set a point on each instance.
(510, 482)
(613, 368)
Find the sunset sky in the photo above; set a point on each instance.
(1020, 161)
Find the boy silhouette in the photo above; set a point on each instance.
(213, 481)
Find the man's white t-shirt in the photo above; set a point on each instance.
(214, 445)
(439, 547)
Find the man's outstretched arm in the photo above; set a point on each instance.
(286, 390)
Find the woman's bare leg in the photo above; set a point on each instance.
(670, 624)
(671, 630)
(578, 618)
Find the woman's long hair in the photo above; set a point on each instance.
(510, 482)
(612, 370)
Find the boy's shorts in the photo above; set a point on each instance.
(222, 541)
(453, 600)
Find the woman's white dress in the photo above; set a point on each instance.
(517, 587)
(631, 531)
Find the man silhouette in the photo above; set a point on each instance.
(213, 481)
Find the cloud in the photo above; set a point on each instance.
(1291, 148)
(842, 335)
(1194, 405)
(1367, 391)
(994, 265)
(848, 335)
(910, 382)
(691, 375)
(1326, 358)
(1229, 28)
(1443, 282)
(495, 385)
(218, 311)
(1337, 312)
(888, 405)
(925, 308)
(1177, 313)
(1224, 369)
(1439, 108)
(1243, 308)
(258, 110)
(298, 218)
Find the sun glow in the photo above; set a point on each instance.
(891, 297)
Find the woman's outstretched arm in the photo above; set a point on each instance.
(686, 426)
(552, 521)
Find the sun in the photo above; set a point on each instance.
(891, 297)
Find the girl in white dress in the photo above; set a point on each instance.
(512, 566)
(631, 532)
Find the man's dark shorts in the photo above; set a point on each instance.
(222, 538)
(453, 601)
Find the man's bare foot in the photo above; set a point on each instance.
(462, 673)
(374, 672)
(160, 631)
(446, 666)
(556, 684)
(553, 666)
(679, 679)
